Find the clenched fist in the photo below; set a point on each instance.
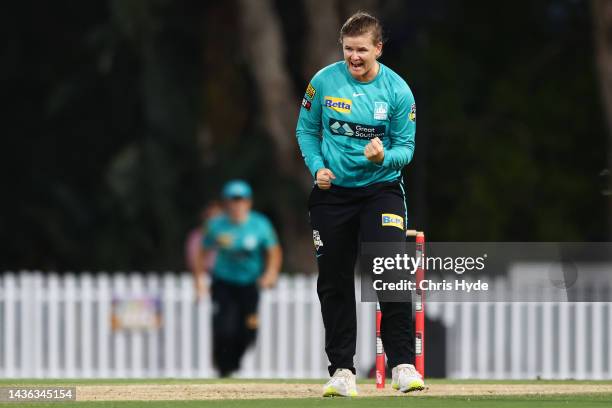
(374, 151)
(324, 178)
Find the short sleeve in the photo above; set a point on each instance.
(209, 237)
(268, 234)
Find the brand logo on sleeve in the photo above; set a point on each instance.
(338, 104)
(392, 220)
(380, 110)
(310, 91)
(412, 114)
(306, 104)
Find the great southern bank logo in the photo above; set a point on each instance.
(338, 104)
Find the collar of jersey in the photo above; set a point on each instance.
(346, 71)
(237, 224)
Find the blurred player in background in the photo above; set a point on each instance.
(356, 131)
(248, 258)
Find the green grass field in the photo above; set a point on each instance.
(388, 402)
(122, 381)
(420, 401)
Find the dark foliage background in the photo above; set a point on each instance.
(122, 118)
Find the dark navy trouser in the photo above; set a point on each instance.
(341, 218)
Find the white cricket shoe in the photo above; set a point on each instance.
(342, 384)
(406, 378)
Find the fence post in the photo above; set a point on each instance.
(9, 325)
(119, 337)
(53, 299)
(547, 339)
(70, 327)
(169, 307)
(580, 335)
(299, 323)
(153, 344)
(136, 336)
(266, 334)
(500, 332)
(318, 366)
(283, 302)
(597, 332)
(37, 300)
(104, 322)
(86, 297)
(186, 325)
(204, 336)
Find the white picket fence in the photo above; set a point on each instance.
(526, 340)
(60, 327)
(507, 339)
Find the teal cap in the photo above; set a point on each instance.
(236, 189)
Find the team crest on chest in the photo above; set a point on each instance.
(380, 110)
(250, 242)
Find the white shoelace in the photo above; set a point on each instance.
(344, 376)
(412, 372)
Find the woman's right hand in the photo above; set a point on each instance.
(201, 288)
(324, 178)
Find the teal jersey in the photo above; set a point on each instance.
(340, 115)
(240, 248)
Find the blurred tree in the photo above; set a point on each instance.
(265, 51)
(122, 117)
(504, 124)
(602, 17)
(264, 46)
(322, 21)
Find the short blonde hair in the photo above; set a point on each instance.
(362, 23)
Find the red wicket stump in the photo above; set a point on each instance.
(419, 317)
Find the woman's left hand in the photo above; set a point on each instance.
(374, 151)
(267, 280)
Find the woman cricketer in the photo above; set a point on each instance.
(356, 132)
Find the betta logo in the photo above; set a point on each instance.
(392, 220)
(338, 104)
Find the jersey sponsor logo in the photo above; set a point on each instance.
(380, 110)
(356, 130)
(338, 104)
(392, 220)
(412, 114)
(225, 240)
(310, 91)
(306, 104)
